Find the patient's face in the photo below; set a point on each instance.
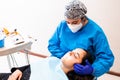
(70, 58)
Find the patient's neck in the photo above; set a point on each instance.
(65, 69)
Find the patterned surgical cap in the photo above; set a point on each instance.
(75, 10)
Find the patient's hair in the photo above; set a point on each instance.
(74, 76)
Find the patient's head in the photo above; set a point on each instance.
(70, 58)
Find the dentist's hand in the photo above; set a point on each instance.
(83, 69)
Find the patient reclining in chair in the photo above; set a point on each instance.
(50, 68)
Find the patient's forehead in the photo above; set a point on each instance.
(81, 51)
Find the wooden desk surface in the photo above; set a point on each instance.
(15, 48)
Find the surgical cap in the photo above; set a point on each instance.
(75, 10)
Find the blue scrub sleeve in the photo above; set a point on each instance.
(54, 45)
(104, 56)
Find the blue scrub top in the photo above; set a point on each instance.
(90, 37)
(47, 69)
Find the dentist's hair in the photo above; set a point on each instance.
(75, 9)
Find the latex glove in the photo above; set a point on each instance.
(83, 69)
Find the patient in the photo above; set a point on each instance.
(50, 68)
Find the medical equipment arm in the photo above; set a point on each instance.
(34, 54)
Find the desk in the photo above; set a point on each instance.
(9, 49)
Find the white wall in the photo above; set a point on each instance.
(39, 19)
(32, 17)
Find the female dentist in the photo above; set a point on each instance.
(79, 31)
